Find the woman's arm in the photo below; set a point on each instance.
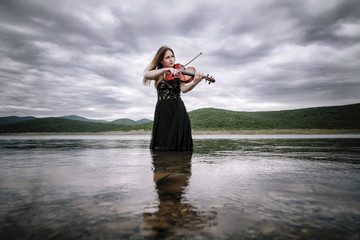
(188, 87)
(152, 74)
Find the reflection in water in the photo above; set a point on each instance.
(172, 171)
(97, 187)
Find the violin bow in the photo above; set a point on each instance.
(207, 77)
(193, 59)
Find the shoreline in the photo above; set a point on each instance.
(206, 132)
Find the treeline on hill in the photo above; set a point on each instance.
(53, 124)
(338, 117)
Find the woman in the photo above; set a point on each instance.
(171, 128)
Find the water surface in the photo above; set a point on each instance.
(229, 187)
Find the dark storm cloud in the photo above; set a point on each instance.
(88, 57)
(323, 27)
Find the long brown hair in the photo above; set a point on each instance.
(156, 64)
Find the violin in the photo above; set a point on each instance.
(187, 74)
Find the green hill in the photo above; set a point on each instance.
(59, 125)
(75, 117)
(143, 120)
(124, 121)
(338, 117)
(14, 119)
(130, 122)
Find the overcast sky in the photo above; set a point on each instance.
(87, 57)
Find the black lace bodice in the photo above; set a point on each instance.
(168, 90)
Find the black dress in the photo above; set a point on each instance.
(171, 128)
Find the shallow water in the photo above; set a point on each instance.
(229, 187)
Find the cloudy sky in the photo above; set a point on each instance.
(87, 57)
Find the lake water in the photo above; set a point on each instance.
(229, 187)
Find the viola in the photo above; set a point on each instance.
(186, 75)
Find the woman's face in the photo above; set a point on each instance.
(168, 60)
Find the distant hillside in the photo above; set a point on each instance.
(59, 125)
(142, 121)
(14, 119)
(123, 121)
(75, 117)
(130, 122)
(338, 117)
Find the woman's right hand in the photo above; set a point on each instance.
(152, 74)
(171, 71)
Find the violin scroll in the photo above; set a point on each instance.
(209, 79)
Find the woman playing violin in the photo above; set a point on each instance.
(171, 127)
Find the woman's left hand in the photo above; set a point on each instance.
(198, 77)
